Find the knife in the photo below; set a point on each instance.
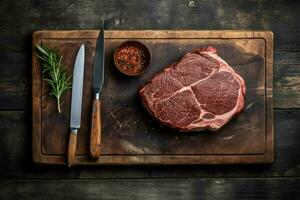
(76, 103)
(98, 79)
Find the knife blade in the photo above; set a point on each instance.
(98, 66)
(97, 84)
(76, 103)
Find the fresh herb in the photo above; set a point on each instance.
(54, 72)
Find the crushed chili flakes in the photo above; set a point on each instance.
(131, 59)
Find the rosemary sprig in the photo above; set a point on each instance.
(54, 72)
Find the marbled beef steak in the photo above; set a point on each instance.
(199, 92)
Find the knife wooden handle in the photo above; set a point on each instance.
(72, 147)
(95, 140)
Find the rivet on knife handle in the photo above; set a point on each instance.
(72, 147)
(95, 140)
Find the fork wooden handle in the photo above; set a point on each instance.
(95, 140)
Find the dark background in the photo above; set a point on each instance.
(21, 179)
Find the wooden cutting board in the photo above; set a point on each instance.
(130, 135)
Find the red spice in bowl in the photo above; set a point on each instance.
(132, 58)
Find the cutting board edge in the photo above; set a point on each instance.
(144, 34)
(266, 158)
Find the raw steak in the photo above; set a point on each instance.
(199, 92)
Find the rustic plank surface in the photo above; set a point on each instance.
(15, 81)
(287, 80)
(15, 151)
(196, 188)
(279, 16)
(20, 18)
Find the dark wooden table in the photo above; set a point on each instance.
(21, 179)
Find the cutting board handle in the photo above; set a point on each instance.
(95, 140)
(72, 147)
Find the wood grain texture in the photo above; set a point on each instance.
(72, 148)
(253, 60)
(287, 80)
(20, 18)
(197, 188)
(14, 81)
(15, 151)
(279, 16)
(96, 129)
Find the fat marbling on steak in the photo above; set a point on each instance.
(199, 92)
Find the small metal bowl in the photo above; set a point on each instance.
(139, 45)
